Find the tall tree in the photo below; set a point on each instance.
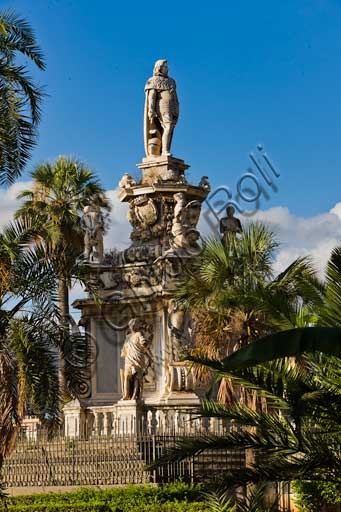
(20, 96)
(60, 192)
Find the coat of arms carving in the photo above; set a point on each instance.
(145, 211)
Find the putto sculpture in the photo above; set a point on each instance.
(93, 225)
(161, 111)
(186, 216)
(137, 359)
(230, 224)
(127, 181)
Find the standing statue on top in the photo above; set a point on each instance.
(230, 225)
(161, 111)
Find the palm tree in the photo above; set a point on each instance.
(20, 96)
(222, 501)
(30, 333)
(60, 192)
(234, 298)
(298, 372)
(298, 438)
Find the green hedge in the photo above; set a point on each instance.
(311, 496)
(167, 498)
(108, 507)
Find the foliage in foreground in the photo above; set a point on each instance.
(20, 96)
(234, 298)
(297, 436)
(177, 497)
(311, 496)
(30, 335)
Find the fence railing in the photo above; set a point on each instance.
(107, 460)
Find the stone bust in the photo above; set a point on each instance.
(161, 111)
(230, 224)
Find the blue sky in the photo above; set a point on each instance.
(247, 72)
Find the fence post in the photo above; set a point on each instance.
(154, 456)
(73, 462)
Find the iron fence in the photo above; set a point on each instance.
(38, 460)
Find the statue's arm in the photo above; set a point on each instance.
(152, 94)
(176, 106)
(221, 226)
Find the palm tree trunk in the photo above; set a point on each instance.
(63, 299)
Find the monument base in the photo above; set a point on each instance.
(130, 416)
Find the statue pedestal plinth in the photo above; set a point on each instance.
(181, 385)
(129, 416)
(162, 168)
(74, 419)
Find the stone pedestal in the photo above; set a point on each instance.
(75, 419)
(161, 169)
(130, 416)
(180, 377)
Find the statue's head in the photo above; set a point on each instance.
(87, 209)
(135, 324)
(179, 196)
(230, 211)
(161, 67)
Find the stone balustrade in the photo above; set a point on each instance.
(109, 420)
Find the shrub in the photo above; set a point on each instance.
(178, 497)
(311, 496)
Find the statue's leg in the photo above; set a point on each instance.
(100, 247)
(87, 247)
(136, 392)
(167, 135)
(128, 385)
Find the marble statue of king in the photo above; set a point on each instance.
(161, 111)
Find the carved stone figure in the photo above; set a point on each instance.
(205, 184)
(230, 224)
(186, 216)
(93, 224)
(137, 359)
(127, 181)
(179, 330)
(161, 111)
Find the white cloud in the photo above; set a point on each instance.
(9, 202)
(300, 236)
(119, 229)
